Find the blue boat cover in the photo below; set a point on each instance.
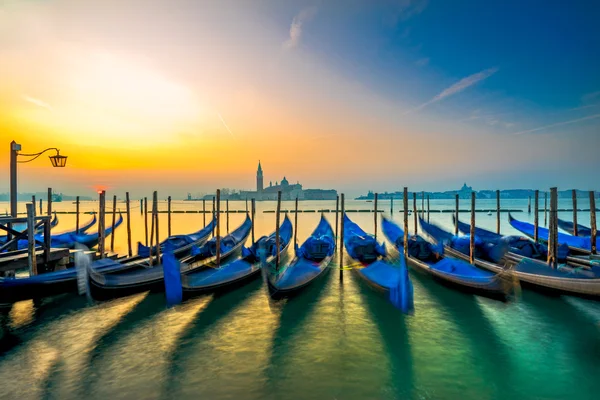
(320, 244)
(359, 244)
(177, 241)
(68, 240)
(563, 238)
(228, 242)
(239, 268)
(395, 280)
(172, 276)
(570, 228)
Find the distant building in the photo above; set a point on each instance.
(288, 191)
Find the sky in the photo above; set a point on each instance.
(187, 95)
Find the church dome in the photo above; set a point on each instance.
(284, 182)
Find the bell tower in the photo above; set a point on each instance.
(259, 178)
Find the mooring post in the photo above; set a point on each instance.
(472, 231)
(112, 230)
(575, 230)
(34, 203)
(456, 214)
(422, 204)
(155, 199)
(128, 209)
(391, 204)
(529, 205)
(375, 215)
(48, 226)
(498, 212)
(552, 234)
(546, 209)
(146, 219)
(405, 203)
(536, 217)
(101, 223)
(204, 211)
(246, 204)
(214, 216)
(76, 215)
(342, 237)
(227, 214)
(169, 216)
(141, 206)
(337, 206)
(41, 207)
(296, 222)
(32, 261)
(277, 239)
(253, 216)
(218, 214)
(428, 209)
(152, 221)
(416, 232)
(593, 221)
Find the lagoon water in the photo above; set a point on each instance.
(337, 340)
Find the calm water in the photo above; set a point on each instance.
(335, 341)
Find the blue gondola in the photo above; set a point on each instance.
(140, 279)
(576, 243)
(311, 262)
(569, 227)
(22, 227)
(378, 274)
(424, 257)
(532, 273)
(237, 272)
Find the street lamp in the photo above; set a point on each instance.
(57, 161)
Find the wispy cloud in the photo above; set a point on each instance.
(224, 124)
(405, 9)
(590, 96)
(422, 62)
(298, 25)
(37, 102)
(573, 121)
(457, 87)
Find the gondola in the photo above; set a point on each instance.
(239, 271)
(89, 240)
(65, 239)
(65, 281)
(390, 280)
(569, 227)
(531, 273)
(458, 274)
(311, 262)
(134, 280)
(577, 244)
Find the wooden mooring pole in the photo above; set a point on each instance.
(101, 223)
(392, 205)
(76, 215)
(593, 221)
(575, 230)
(214, 216)
(416, 231)
(296, 222)
(141, 206)
(146, 219)
(529, 205)
(342, 237)
(34, 203)
(152, 221)
(553, 229)
(169, 216)
(428, 209)
(456, 215)
(253, 217)
(227, 214)
(112, 230)
(47, 227)
(155, 201)
(204, 211)
(422, 204)
(536, 217)
(472, 231)
(375, 216)
(498, 212)
(218, 215)
(32, 260)
(405, 203)
(41, 207)
(246, 204)
(546, 209)
(337, 207)
(128, 210)
(277, 238)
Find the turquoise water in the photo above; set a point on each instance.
(337, 340)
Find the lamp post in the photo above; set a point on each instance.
(57, 161)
